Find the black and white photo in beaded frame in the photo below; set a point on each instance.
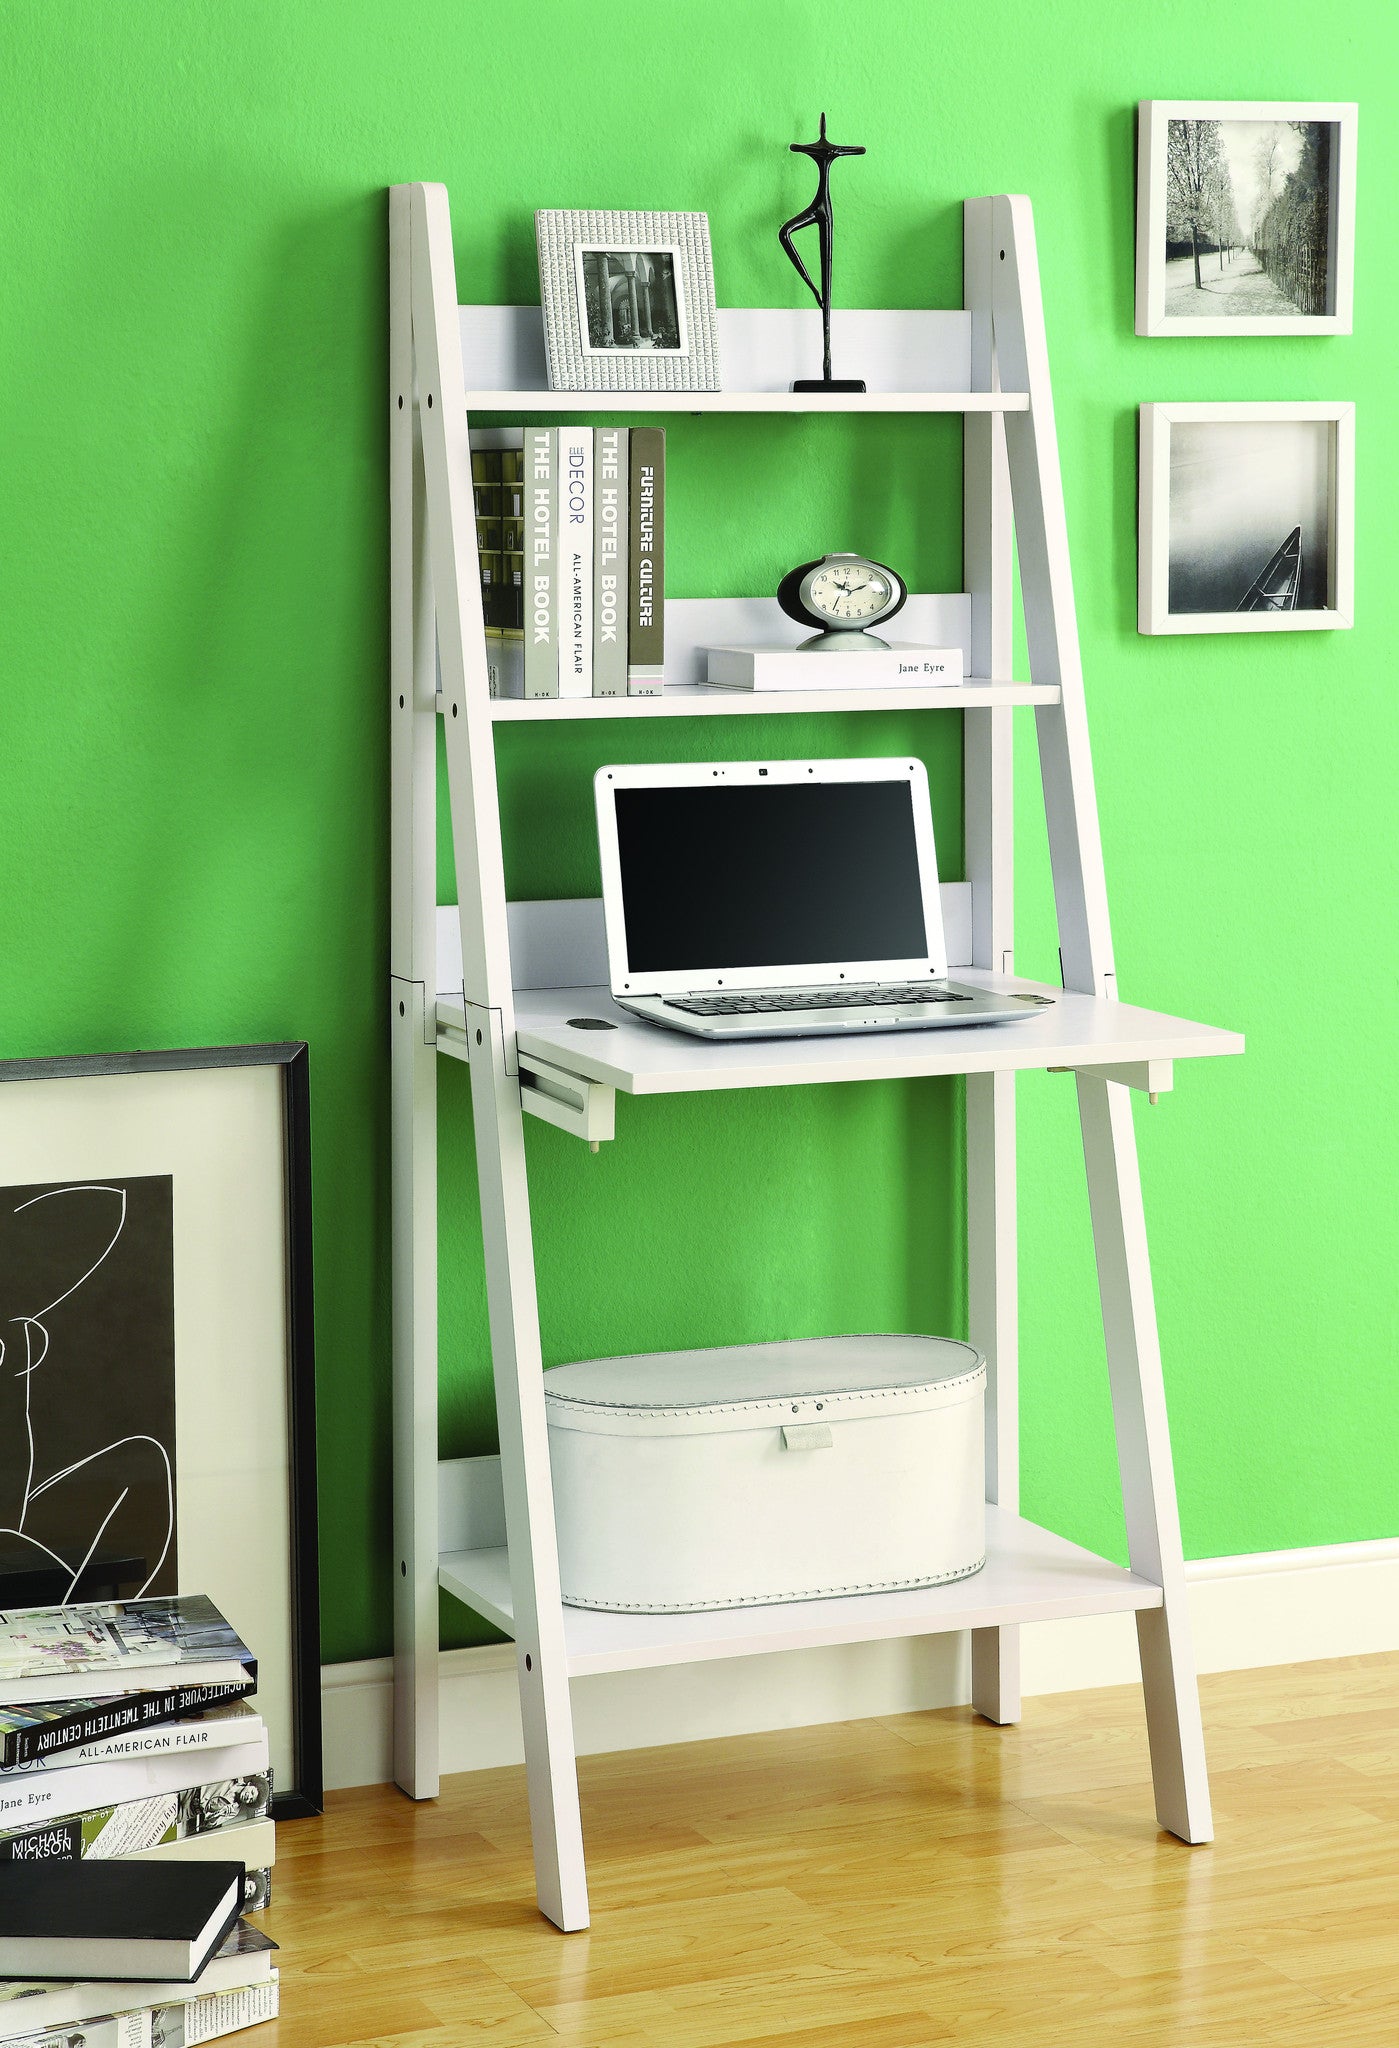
(632, 300)
(627, 301)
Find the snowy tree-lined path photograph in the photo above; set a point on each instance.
(1248, 206)
(1235, 285)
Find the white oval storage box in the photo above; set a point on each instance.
(767, 1472)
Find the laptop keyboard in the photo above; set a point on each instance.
(749, 1003)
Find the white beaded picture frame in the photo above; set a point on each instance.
(628, 300)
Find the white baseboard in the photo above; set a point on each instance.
(1277, 1607)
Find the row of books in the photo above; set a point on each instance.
(570, 531)
(135, 1827)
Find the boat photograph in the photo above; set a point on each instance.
(1249, 515)
(1275, 588)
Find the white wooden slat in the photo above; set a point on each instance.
(1144, 1457)
(413, 1057)
(1105, 1114)
(566, 404)
(988, 541)
(545, 1709)
(1046, 583)
(988, 757)
(461, 644)
(507, 1238)
(993, 1325)
(1029, 1575)
(694, 700)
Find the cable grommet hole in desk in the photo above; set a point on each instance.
(591, 1024)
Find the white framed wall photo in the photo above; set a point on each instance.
(628, 301)
(1245, 216)
(1246, 516)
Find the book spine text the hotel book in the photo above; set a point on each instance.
(541, 588)
(610, 578)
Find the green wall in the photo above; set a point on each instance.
(193, 824)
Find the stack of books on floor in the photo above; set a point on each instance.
(570, 528)
(135, 1830)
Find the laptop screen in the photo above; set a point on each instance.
(769, 875)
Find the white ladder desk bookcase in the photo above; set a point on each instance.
(484, 1528)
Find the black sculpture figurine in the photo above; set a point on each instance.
(818, 215)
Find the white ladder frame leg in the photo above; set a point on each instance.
(541, 1653)
(413, 1049)
(1169, 1686)
(988, 808)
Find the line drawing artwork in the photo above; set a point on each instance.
(87, 1361)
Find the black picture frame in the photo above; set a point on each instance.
(304, 1796)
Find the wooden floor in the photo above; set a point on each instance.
(882, 1884)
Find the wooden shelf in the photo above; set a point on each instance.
(697, 700)
(695, 624)
(1029, 1575)
(911, 361)
(646, 1059)
(569, 402)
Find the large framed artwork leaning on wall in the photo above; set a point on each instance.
(1245, 518)
(157, 1389)
(1245, 216)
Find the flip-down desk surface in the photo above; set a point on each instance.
(645, 1059)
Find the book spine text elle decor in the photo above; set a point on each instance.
(576, 561)
(610, 581)
(646, 611)
(541, 597)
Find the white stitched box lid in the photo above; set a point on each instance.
(754, 1386)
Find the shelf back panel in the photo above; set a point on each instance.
(562, 943)
(759, 350)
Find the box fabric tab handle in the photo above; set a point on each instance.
(806, 1436)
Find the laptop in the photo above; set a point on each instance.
(779, 899)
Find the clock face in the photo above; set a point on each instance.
(849, 592)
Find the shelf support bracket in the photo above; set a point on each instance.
(1149, 1077)
(585, 1109)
